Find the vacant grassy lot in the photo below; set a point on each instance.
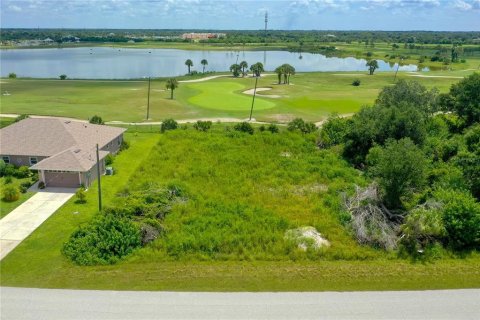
(243, 192)
(312, 96)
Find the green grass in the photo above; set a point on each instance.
(230, 170)
(6, 206)
(312, 96)
(6, 122)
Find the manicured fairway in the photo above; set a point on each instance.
(312, 96)
(222, 95)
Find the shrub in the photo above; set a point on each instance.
(22, 172)
(9, 170)
(12, 75)
(299, 124)
(21, 117)
(8, 179)
(262, 128)
(273, 128)
(80, 195)
(11, 193)
(125, 145)
(461, 217)
(3, 165)
(202, 125)
(96, 120)
(333, 131)
(356, 82)
(168, 124)
(23, 189)
(41, 185)
(244, 127)
(63, 77)
(105, 240)
(109, 159)
(26, 184)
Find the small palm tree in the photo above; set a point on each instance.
(171, 84)
(189, 63)
(235, 69)
(279, 71)
(243, 65)
(204, 62)
(372, 66)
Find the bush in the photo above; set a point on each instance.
(22, 172)
(299, 124)
(333, 131)
(21, 117)
(273, 128)
(41, 185)
(244, 127)
(80, 195)
(8, 179)
(9, 170)
(461, 217)
(202, 125)
(356, 82)
(96, 120)
(105, 240)
(3, 166)
(168, 124)
(11, 193)
(109, 159)
(63, 76)
(125, 145)
(12, 75)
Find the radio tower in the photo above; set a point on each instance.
(266, 22)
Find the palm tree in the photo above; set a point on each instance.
(372, 65)
(235, 69)
(204, 62)
(189, 64)
(171, 84)
(243, 65)
(257, 69)
(288, 71)
(279, 71)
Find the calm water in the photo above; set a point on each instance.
(114, 63)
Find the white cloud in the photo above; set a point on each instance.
(462, 5)
(14, 8)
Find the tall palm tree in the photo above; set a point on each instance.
(279, 71)
(257, 69)
(189, 64)
(204, 62)
(288, 70)
(243, 65)
(171, 84)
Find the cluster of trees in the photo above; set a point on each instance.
(422, 149)
(242, 67)
(189, 64)
(286, 71)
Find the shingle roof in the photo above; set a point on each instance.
(69, 145)
(72, 159)
(49, 136)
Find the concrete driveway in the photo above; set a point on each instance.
(22, 221)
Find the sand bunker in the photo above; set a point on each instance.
(307, 237)
(250, 92)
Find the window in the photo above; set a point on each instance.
(6, 159)
(33, 160)
(119, 141)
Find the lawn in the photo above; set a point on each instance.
(243, 193)
(8, 206)
(312, 96)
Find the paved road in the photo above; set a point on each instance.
(28, 216)
(22, 303)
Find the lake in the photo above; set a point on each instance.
(122, 63)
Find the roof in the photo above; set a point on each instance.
(72, 159)
(49, 136)
(69, 145)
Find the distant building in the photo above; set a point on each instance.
(203, 36)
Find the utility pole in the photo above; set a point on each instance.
(253, 100)
(99, 185)
(266, 22)
(148, 100)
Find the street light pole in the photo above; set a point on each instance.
(148, 99)
(99, 185)
(253, 100)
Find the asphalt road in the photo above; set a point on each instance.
(51, 304)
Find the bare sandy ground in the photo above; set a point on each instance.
(250, 92)
(221, 76)
(426, 76)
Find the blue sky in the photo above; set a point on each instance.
(448, 15)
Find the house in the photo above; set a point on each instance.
(62, 151)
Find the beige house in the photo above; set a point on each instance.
(63, 151)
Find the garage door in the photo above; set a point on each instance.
(62, 179)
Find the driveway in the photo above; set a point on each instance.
(22, 221)
(51, 304)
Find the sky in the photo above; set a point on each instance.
(432, 15)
